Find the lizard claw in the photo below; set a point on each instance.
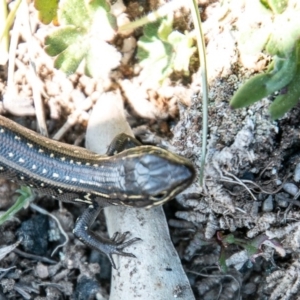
(117, 245)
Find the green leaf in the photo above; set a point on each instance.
(61, 39)
(277, 6)
(183, 51)
(262, 85)
(27, 195)
(74, 12)
(165, 28)
(251, 91)
(283, 72)
(69, 60)
(102, 18)
(288, 100)
(229, 239)
(85, 28)
(155, 57)
(222, 261)
(162, 51)
(47, 10)
(96, 4)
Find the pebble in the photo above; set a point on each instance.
(268, 204)
(297, 173)
(281, 199)
(290, 188)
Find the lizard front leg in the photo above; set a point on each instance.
(122, 142)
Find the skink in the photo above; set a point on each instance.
(129, 174)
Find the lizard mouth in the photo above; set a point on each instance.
(138, 203)
(154, 200)
(146, 201)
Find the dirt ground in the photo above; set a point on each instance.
(237, 235)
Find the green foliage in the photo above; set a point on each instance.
(252, 247)
(280, 40)
(47, 10)
(288, 99)
(280, 74)
(85, 28)
(162, 51)
(277, 6)
(26, 196)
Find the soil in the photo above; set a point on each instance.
(237, 233)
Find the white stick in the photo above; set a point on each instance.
(156, 272)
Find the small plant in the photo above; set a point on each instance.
(23, 201)
(252, 247)
(283, 74)
(83, 35)
(277, 6)
(86, 27)
(162, 51)
(230, 250)
(47, 10)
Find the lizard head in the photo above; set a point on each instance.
(152, 176)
